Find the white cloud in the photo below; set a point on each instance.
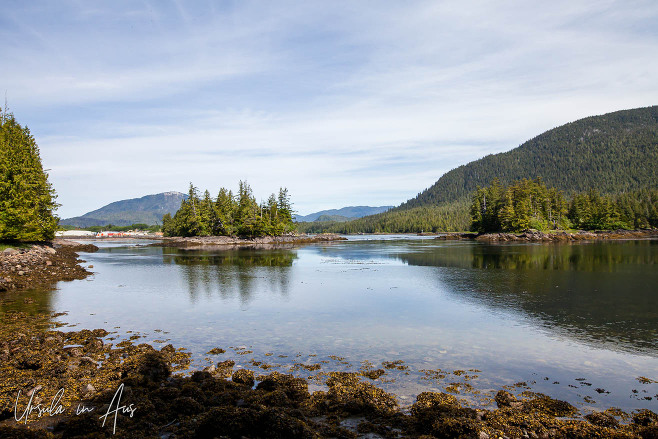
(343, 102)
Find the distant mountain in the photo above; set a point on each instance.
(145, 210)
(343, 214)
(337, 218)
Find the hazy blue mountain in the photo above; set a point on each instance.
(342, 214)
(146, 210)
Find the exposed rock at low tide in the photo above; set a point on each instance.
(553, 236)
(562, 236)
(34, 265)
(227, 242)
(206, 404)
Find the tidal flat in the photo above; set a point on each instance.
(404, 315)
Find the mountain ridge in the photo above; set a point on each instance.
(349, 212)
(148, 209)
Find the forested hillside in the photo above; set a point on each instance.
(613, 153)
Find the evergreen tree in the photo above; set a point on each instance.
(228, 215)
(27, 199)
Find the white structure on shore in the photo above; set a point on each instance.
(75, 233)
(104, 234)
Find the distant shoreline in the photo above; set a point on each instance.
(224, 241)
(553, 236)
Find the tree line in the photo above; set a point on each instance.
(530, 204)
(27, 199)
(114, 228)
(229, 214)
(447, 217)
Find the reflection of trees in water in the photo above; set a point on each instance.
(600, 293)
(233, 273)
(589, 257)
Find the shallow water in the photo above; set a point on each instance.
(566, 319)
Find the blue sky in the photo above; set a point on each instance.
(345, 103)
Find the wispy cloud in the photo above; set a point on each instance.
(343, 102)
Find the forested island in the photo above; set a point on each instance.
(229, 214)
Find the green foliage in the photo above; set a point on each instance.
(230, 215)
(334, 218)
(448, 217)
(612, 153)
(529, 204)
(113, 228)
(634, 210)
(27, 199)
(526, 204)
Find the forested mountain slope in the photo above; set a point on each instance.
(613, 153)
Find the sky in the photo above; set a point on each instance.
(344, 103)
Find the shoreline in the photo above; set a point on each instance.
(35, 265)
(231, 241)
(553, 236)
(226, 399)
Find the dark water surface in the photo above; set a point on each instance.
(578, 322)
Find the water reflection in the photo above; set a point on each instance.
(239, 272)
(599, 293)
(30, 302)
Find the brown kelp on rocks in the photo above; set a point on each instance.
(90, 373)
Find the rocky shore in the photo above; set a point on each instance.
(228, 241)
(224, 401)
(33, 265)
(554, 236)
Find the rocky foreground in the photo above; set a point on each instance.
(33, 265)
(553, 236)
(222, 401)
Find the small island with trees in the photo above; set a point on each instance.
(236, 219)
(230, 215)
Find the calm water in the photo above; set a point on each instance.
(565, 319)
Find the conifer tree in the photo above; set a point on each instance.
(27, 199)
(228, 215)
